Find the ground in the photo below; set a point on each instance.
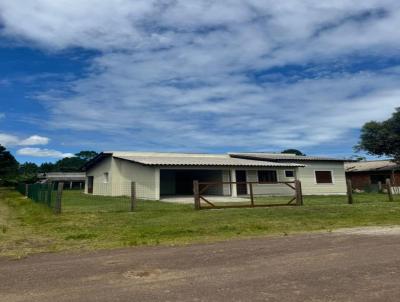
(350, 265)
(92, 223)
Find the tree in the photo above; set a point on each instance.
(382, 138)
(47, 167)
(28, 168)
(8, 165)
(86, 155)
(293, 151)
(70, 164)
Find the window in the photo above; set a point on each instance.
(289, 173)
(267, 176)
(323, 177)
(105, 177)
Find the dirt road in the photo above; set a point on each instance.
(358, 265)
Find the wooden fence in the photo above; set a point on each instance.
(199, 188)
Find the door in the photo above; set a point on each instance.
(90, 185)
(241, 177)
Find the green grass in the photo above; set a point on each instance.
(27, 227)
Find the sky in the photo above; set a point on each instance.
(194, 76)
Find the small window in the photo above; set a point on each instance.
(106, 177)
(267, 176)
(323, 177)
(289, 173)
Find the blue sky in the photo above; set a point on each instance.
(199, 76)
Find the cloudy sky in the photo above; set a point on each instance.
(192, 75)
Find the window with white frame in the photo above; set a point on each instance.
(105, 177)
(289, 173)
(323, 177)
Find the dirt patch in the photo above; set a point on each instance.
(372, 231)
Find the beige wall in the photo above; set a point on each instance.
(100, 187)
(271, 189)
(120, 175)
(309, 185)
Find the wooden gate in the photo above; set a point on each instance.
(199, 188)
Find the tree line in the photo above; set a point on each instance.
(11, 171)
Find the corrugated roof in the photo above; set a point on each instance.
(281, 156)
(184, 159)
(373, 165)
(69, 176)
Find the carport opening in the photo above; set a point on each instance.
(180, 182)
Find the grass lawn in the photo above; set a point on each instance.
(27, 227)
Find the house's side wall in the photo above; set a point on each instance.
(307, 177)
(271, 189)
(145, 178)
(100, 187)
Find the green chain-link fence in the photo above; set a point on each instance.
(41, 193)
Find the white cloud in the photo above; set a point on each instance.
(38, 152)
(2, 115)
(182, 73)
(13, 140)
(7, 139)
(34, 140)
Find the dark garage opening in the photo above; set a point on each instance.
(180, 182)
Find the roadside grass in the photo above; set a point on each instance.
(87, 224)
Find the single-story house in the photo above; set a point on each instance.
(72, 180)
(172, 174)
(365, 175)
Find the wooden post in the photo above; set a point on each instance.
(299, 193)
(251, 194)
(49, 190)
(133, 196)
(389, 189)
(57, 205)
(196, 194)
(380, 187)
(26, 190)
(349, 192)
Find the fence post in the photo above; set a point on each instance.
(196, 194)
(349, 191)
(133, 196)
(251, 194)
(379, 186)
(26, 190)
(299, 193)
(389, 189)
(57, 205)
(49, 190)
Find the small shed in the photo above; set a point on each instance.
(366, 175)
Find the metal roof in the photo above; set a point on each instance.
(282, 156)
(187, 159)
(374, 165)
(67, 176)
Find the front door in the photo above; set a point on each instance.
(241, 177)
(90, 185)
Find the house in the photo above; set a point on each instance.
(171, 174)
(366, 175)
(72, 180)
